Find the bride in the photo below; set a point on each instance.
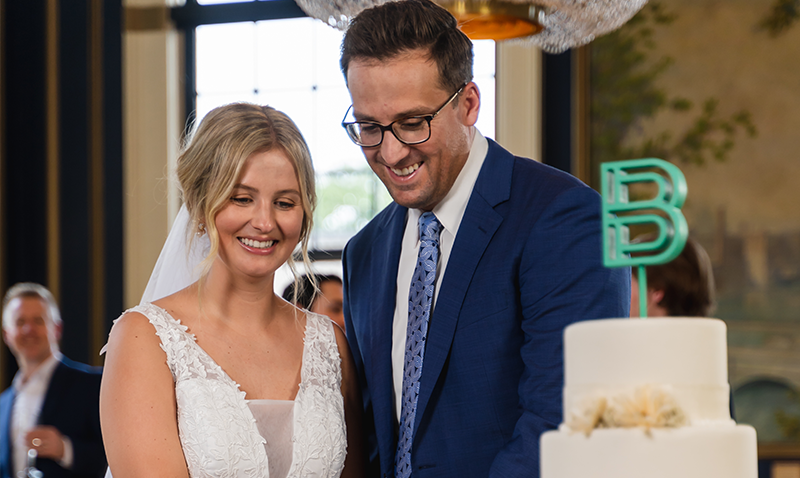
(223, 378)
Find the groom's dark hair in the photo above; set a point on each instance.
(389, 30)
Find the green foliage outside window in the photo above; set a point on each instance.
(346, 201)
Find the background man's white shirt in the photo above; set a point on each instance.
(28, 400)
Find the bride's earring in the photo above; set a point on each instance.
(201, 229)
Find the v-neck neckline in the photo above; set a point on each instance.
(303, 361)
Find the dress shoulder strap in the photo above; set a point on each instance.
(320, 437)
(321, 358)
(168, 329)
(185, 358)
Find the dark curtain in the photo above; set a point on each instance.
(89, 162)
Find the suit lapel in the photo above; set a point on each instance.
(383, 286)
(478, 225)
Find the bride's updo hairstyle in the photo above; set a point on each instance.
(213, 158)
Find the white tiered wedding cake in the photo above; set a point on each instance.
(647, 398)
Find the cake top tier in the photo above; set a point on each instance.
(678, 351)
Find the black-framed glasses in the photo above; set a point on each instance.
(409, 130)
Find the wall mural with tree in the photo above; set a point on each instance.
(625, 67)
(782, 15)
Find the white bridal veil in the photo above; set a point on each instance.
(177, 267)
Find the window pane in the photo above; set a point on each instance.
(327, 50)
(285, 52)
(225, 58)
(330, 139)
(483, 69)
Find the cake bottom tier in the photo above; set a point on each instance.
(689, 452)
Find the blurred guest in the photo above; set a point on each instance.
(326, 301)
(52, 404)
(683, 287)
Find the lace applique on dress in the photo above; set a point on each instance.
(217, 430)
(320, 438)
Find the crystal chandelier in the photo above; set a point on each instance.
(553, 25)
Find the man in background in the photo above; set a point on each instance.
(52, 404)
(683, 287)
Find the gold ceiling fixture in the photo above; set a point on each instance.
(495, 20)
(552, 25)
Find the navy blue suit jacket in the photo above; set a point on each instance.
(72, 405)
(526, 262)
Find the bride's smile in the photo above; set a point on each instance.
(256, 244)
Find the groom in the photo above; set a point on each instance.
(457, 294)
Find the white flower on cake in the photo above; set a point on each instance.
(588, 415)
(647, 406)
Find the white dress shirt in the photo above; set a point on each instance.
(449, 212)
(28, 401)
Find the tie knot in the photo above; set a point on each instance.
(429, 226)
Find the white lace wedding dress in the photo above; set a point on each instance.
(225, 435)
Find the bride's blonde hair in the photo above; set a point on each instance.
(213, 158)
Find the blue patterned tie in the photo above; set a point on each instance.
(420, 298)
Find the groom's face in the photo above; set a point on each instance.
(417, 176)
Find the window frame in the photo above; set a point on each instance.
(192, 15)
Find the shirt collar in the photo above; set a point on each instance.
(451, 209)
(42, 374)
